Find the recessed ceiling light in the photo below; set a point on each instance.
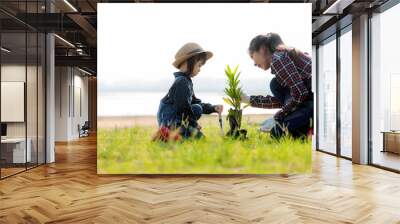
(84, 71)
(338, 6)
(70, 5)
(64, 40)
(5, 50)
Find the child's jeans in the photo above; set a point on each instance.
(168, 117)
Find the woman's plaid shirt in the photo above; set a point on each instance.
(290, 75)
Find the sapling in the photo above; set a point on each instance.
(233, 92)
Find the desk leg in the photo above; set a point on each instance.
(384, 143)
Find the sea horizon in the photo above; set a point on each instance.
(120, 104)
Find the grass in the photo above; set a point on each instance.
(131, 151)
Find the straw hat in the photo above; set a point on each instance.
(188, 50)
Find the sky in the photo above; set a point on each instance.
(137, 42)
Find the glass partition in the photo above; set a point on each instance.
(22, 77)
(14, 153)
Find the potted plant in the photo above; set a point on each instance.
(233, 92)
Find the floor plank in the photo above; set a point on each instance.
(70, 191)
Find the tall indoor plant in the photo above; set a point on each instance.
(233, 92)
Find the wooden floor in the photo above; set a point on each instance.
(10, 171)
(70, 191)
(387, 159)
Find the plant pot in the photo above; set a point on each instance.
(235, 119)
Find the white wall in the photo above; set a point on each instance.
(62, 81)
(14, 73)
(81, 89)
(70, 84)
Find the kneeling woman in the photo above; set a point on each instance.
(291, 86)
(180, 108)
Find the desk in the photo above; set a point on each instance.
(15, 148)
(391, 141)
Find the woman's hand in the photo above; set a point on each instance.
(219, 108)
(244, 98)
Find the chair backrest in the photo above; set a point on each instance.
(86, 125)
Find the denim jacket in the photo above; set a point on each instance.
(181, 96)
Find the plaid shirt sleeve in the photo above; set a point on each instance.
(268, 102)
(287, 75)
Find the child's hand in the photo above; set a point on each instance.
(219, 108)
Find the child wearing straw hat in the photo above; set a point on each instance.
(180, 109)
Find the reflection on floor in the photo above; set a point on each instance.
(387, 159)
(10, 169)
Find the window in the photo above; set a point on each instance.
(385, 89)
(346, 92)
(327, 96)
